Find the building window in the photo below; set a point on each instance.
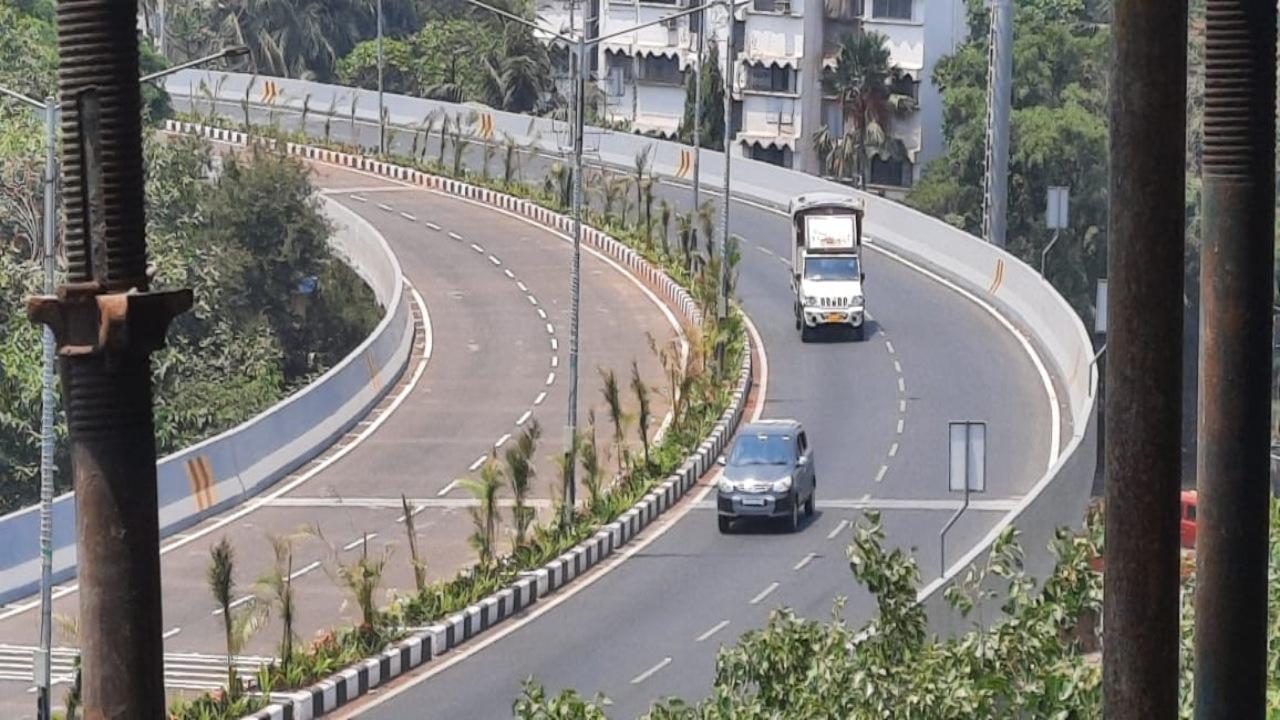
(905, 85)
(833, 118)
(896, 173)
(658, 70)
(772, 6)
(891, 9)
(770, 79)
(773, 155)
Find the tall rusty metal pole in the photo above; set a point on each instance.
(1144, 372)
(107, 323)
(1236, 282)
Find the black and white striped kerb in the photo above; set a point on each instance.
(453, 631)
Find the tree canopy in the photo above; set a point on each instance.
(1059, 136)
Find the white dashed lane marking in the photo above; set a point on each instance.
(714, 629)
(880, 474)
(477, 248)
(843, 524)
(384, 207)
(455, 236)
(650, 672)
(502, 441)
(538, 400)
(551, 377)
(804, 561)
(408, 217)
(764, 593)
(444, 491)
(434, 226)
(525, 417)
(479, 461)
(893, 450)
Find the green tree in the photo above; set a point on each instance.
(484, 516)
(1058, 137)
(711, 122)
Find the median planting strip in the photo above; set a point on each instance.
(601, 539)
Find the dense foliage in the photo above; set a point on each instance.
(711, 119)
(1059, 137)
(476, 57)
(1041, 659)
(245, 239)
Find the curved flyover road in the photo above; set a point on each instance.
(877, 413)
(491, 304)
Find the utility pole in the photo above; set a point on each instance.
(1234, 425)
(575, 275)
(697, 107)
(721, 300)
(106, 323)
(580, 45)
(43, 671)
(995, 201)
(1144, 369)
(382, 112)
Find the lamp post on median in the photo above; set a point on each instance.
(582, 44)
(42, 670)
(382, 113)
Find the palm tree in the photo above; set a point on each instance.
(415, 560)
(643, 412)
(863, 82)
(664, 217)
(293, 38)
(485, 517)
(237, 627)
(520, 473)
(619, 418)
(589, 457)
(641, 167)
(362, 578)
(275, 590)
(558, 183)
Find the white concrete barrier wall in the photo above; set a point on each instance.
(992, 276)
(224, 470)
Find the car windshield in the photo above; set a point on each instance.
(761, 450)
(831, 268)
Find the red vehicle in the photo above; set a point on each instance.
(1187, 519)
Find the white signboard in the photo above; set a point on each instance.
(1056, 213)
(829, 232)
(968, 457)
(1100, 313)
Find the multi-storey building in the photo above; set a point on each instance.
(782, 48)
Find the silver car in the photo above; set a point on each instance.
(769, 473)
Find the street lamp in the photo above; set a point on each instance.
(382, 113)
(580, 44)
(49, 108)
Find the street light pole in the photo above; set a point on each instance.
(382, 113)
(43, 669)
(721, 300)
(575, 275)
(697, 120)
(580, 44)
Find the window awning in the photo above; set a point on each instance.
(767, 142)
(759, 59)
(663, 51)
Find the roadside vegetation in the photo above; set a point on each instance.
(619, 459)
(274, 308)
(1042, 658)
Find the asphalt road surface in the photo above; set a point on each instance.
(495, 290)
(877, 412)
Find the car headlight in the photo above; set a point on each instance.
(782, 485)
(726, 485)
(810, 300)
(857, 301)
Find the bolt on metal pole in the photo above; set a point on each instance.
(575, 280)
(107, 322)
(382, 113)
(43, 668)
(1236, 285)
(1144, 373)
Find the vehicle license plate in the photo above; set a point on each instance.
(835, 317)
(753, 502)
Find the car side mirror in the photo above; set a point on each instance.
(864, 277)
(802, 461)
(721, 461)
